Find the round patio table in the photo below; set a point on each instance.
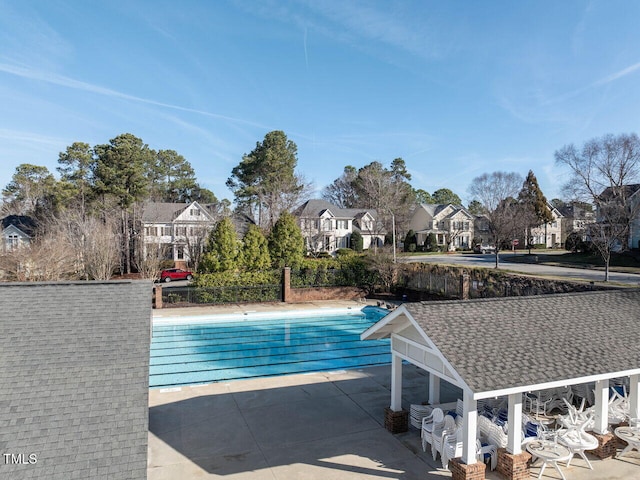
(578, 441)
(631, 435)
(550, 453)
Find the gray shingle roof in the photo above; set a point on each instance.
(158, 212)
(313, 208)
(74, 363)
(496, 344)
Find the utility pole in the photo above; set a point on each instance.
(393, 235)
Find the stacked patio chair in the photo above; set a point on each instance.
(452, 448)
(417, 413)
(439, 433)
(583, 391)
(429, 423)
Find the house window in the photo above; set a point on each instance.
(180, 253)
(13, 241)
(343, 242)
(465, 226)
(181, 231)
(195, 212)
(327, 224)
(149, 231)
(342, 224)
(166, 230)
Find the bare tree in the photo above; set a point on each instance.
(95, 242)
(149, 259)
(496, 193)
(604, 173)
(49, 256)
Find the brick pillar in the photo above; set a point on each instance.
(157, 299)
(286, 284)
(462, 471)
(607, 444)
(464, 286)
(513, 467)
(396, 422)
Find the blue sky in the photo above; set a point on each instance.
(455, 88)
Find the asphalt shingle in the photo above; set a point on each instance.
(74, 370)
(501, 343)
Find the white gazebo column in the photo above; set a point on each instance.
(470, 428)
(434, 389)
(602, 407)
(634, 396)
(514, 440)
(396, 383)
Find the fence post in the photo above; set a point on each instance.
(157, 292)
(464, 286)
(286, 284)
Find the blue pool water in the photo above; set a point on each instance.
(206, 350)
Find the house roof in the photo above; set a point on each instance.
(433, 209)
(630, 190)
(22, 222)
(154, 212)
(314, 208)
(75, 381)
(506, 345)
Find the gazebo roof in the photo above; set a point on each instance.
(517, 344)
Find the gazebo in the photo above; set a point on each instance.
(510, 346)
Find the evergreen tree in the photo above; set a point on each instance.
(255, 250)
(265, 182)
(444, 196)
(535, 210)
(431, 243)
(221, 252)
(357, 242)
(286, 244)
(410, 240)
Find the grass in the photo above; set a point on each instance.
(623, 263)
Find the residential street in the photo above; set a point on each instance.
(488, 261)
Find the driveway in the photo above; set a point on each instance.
(488, 261)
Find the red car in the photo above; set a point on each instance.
(175, 274)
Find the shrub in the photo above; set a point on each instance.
(357, 243)
(431, 243)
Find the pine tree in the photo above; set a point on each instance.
(286, 244)
(255, 250)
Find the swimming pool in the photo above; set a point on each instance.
(213, 349)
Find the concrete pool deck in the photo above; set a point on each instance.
(325, 425)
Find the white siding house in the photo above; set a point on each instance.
(326, 228)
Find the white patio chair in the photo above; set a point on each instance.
(428, 424)
(448, 428)
(452, 448)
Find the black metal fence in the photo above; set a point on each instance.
(178, 296)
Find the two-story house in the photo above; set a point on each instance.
(178, 228)
(452, 225)
(575, 218)
(326, 228)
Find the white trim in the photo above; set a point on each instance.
(601, 419)
(514, 419)
(557, 383)
(469, 428)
